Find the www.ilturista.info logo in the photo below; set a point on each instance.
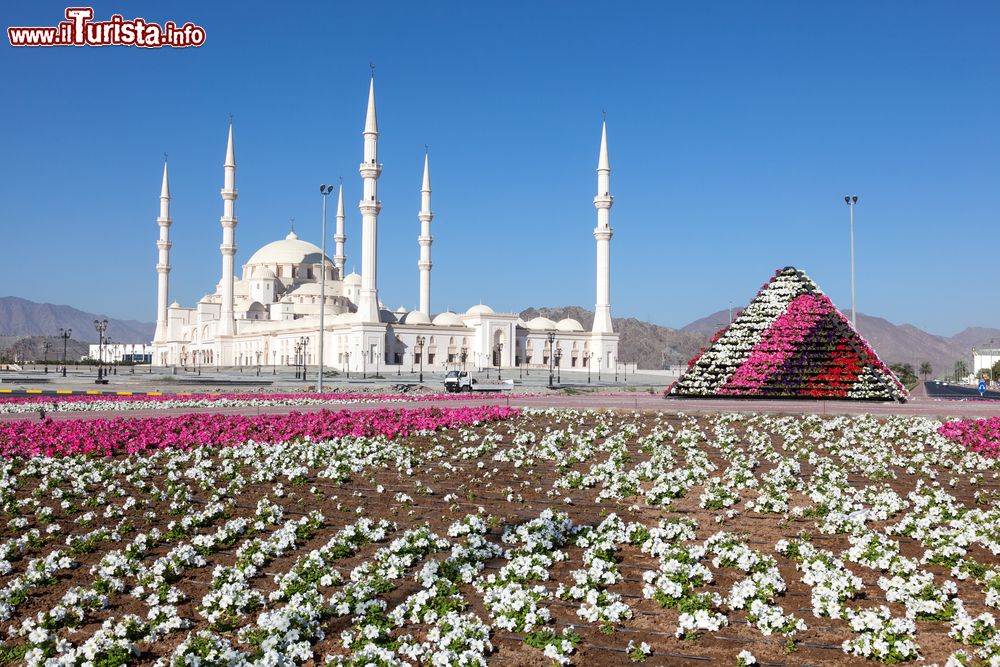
(80, 30)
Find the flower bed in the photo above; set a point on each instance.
(981, 436)
(130, 436)
(790, 342)
(568, 537)
(110, 403)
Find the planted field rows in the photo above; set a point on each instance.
(568, 537)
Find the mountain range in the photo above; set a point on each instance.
(648, 345)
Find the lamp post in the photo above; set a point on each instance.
(558, 365)
(274, 362)
(420, 355)
(101, 326)
(45, 355)
(851, 200)
(347, 355)
(590, 362)
(258, 364)
(304, 346)
(552, 339)
(614, 359)
(65, 334)
(499, 349)
(323, 190)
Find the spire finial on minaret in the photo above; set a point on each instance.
(165, 187)
(230, 151)
(426, 187)
(603, 164)
(371, 121)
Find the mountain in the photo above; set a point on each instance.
(648, 345)
(32, 348)
(894, 343)
(20, 317)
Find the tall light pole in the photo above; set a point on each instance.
(323, 190)
(101, 326)
(65, 334)
(552, 339)
(851, 200)
(45, 355)
(420, 355)
(499, 353)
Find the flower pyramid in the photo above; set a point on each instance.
(790, 342)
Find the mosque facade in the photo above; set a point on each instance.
(271, 313)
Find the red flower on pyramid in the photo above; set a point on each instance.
(790, 342)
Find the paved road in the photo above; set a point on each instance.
(958, 392)
(624, 401)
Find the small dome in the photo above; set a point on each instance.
(569, 324)
(401, 310)
(175, 305)
(540, 323)
(352, 279)
(256, 307)
(263, 273)
(416, 317)
(386, 316)
(481, 309)
(448, 319)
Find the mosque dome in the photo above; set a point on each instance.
(290, 250)
(448, 319)
(416, 317)
(481, 309)
(263, 273)
(352, 279)
(569, 324)
(541, 323)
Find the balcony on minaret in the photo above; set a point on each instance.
(370, 169)
(604, 201)
(234, 193)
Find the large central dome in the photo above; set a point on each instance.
(290, 250)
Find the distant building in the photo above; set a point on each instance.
(985, 358)
(121, 353)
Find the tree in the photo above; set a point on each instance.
(961, 370)
(905, 374)
(925, 370)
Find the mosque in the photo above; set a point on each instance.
(272, 312)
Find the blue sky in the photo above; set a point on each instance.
(735, 130)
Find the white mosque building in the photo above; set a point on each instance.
(271, 312)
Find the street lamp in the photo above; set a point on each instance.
(65, 334)
(101, 326)
(420, 355)
(590, 362)
(552, 339)
(303, 346)
(558, 365)
(45, 355)
(499, 349)
(615, 360)
(323, 190)
(274, 362)
(851, 200)
(347, 355)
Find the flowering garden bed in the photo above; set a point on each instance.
(557, 536)
(790, 342)
(978, 435)
(115, 403)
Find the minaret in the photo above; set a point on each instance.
(339, 237)
(603, 233)
(370, 206)
(425, 240)
(228, 247)
(163, 264)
